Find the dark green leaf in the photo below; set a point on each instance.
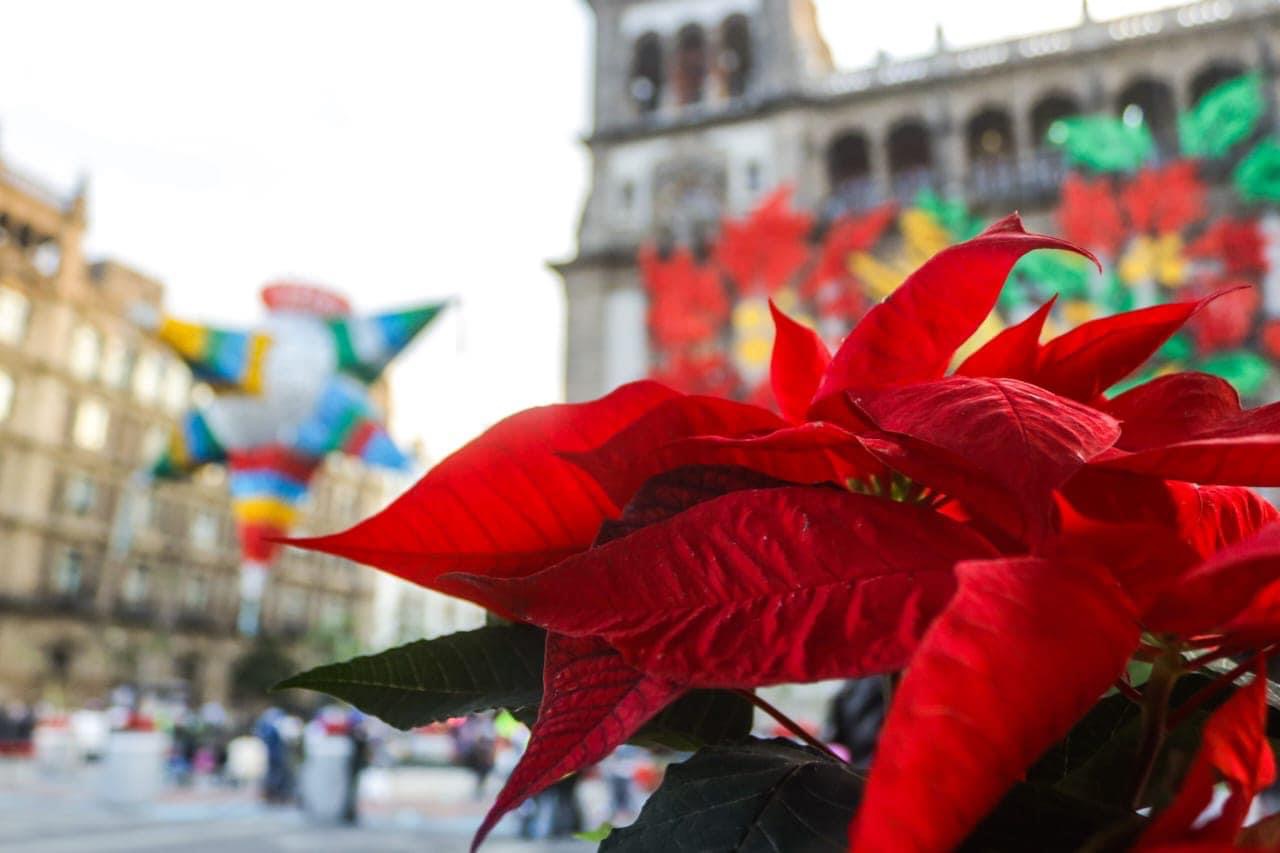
(1096, 760)
(1038, 817)
(699, 718)
(430, 680)
(758, 796)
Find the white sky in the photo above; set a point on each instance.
(396, 151)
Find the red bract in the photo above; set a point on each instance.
(1025, 440)
(757, 587)
(1001, 675)
(1089, 359)
(592, 702)
(912, 335)
(1013, 352)
(799, 360)
(507, 503)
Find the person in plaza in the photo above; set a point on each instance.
(476, 743)
(277, 785)
(856, 715)
(358, 733)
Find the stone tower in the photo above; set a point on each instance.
(690, 123)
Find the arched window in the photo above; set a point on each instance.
(989, 136)
(735, 55)
(1216, 72)
(849, 178)
(848, 159)
(646, 73)
(910, 158)
(1150, 101)
(690, 64)
(1049, 109)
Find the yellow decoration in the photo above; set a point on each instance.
(258, 346)
(268, 511)
(1158, 259)
(1077, 311)
(189, 339)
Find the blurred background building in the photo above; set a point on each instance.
(90, 601)
(703, 106)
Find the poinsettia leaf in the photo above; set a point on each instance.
(799, 360)
(627, 458)
(1025, 439)
(699, 718)
(807, 454)
(758, 587)
(1234, 747)
(1002, 674)
(1048, 819)
(592, 701)
(761, 796)
(506, 503)
(913, 334)
(1093, 356)
(430, 680)
(1013, 352)
(1095, 760)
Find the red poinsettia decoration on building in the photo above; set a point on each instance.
(1005, 536)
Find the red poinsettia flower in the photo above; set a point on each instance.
(763, 251)
(892, 517)
(687, 301)
(1163, 199)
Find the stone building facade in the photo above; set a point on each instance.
(702, 106)
(91, 596)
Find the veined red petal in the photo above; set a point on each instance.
(1174, 408)
(1251, 460)
(912, 335)
(1093, 356)
(1151, 532)
(799, 360)
(1013, 352)
(807, 454)
(627, 458)
(758, 587)
(507, 503)
(1023, 438)
(591, 702)
(1234, 747)
(1002, 674)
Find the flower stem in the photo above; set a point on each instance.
(1155, 714)
(1216, 686)
(1128, 691)
(790, 724)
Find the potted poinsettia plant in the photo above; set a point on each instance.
(1075, 592)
